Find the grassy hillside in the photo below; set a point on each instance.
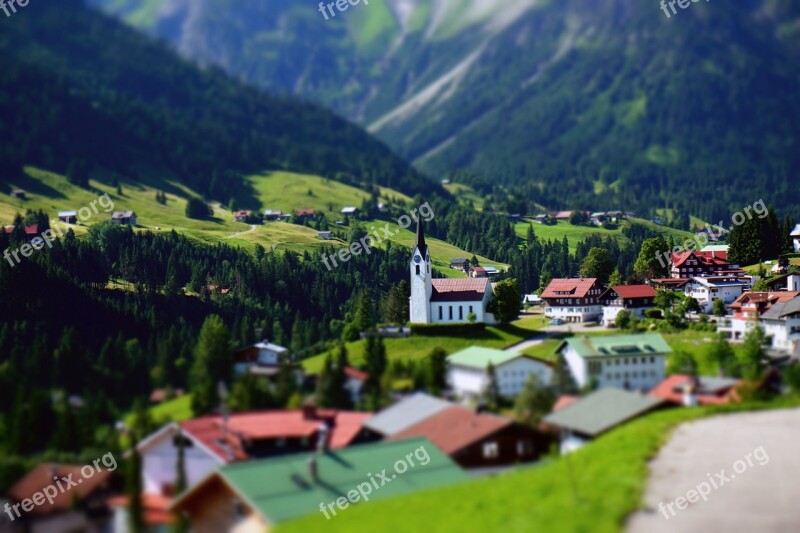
(593, 489)
(286, 191)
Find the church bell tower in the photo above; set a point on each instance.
(421, 287)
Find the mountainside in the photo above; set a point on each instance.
(80, 92)
(598, 102)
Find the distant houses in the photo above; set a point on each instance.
(127, 218)
(460, 264)
(795, 236)
(241, 216)
(18, 194)
(691, 264)
(468, 378)
(326, 235)
(591, 416)
(349, 211)
(31, 231)
(636, 299)
(690, 391)
(708, 289)
(629, 362)
(261, 358)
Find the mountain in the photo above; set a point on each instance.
(82, 93)
(578, 102)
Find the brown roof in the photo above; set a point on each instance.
(459, 289)
(575, 287)
(455, 428)
(565, 401)
(635, 291)
(42, 476)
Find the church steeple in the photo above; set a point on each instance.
(421, 238)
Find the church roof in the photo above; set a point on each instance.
(421, 238)
(459, 289)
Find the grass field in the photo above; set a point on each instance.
(575, 234)
(284, 191)
(593, 489)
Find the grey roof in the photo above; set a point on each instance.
(602, 410)
(715, 384)
(406, 413)
(123, 214)
(782, 309)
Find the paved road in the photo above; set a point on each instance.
(528, 343)
(764, 497)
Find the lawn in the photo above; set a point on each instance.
(419, 346)
(593, 489)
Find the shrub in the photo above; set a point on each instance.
(448, 329)
(653, 313)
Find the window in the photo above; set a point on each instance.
(524, 447)
(490, 450)
(417, 267)
(470, 309)
(460, 312)
(440, 312)
(450, 312)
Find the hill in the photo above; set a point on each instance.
(595, 101)
(83, 95)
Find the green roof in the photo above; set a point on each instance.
(479, 357)
(618, 345)
(281, 489)
(602, 410)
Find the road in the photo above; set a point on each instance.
(524, 345)
(252, 228)
(755, 452)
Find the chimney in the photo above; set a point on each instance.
(322, 438)
(312, 468)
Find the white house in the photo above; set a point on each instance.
(468, 378)
(707, 289)
(795, 235)
(573, 300)
(782, 324)
(262, 357)
(636, 299)
(630, 362)
(444, 301)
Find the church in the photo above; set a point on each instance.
(444, 300)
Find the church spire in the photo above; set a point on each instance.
(421, 238)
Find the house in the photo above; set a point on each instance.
(747, 310)
(478, 272)
(691, 264)
(468, 378)
(786, 282)
(707, 289)
(18, 193)
(532, 299)
(669, 284)
(795, 236)
(782, 324)
(444, 301)
(564, 401)
(356, 379)
(636, 299)
(305, 214)
(630, 362)
(241, 216)
(68, 217)
(272, 215)
(263, 355)
(573, 299)
(31, 231)
(405, 413)
(82, 508)
(459, 264)
(127, 218)
(598, 413)
(690, 391)
(491, 271)
(349, 211)
(327, 235)
(476, 440)
(561, 215)
(598, 218)
(257, 496)
(541, 219)
(211, 441)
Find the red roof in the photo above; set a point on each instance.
(356, 373)
(455, 428)
(42, 476)
(155, 507)
(345, 426)
(459, 289)
(30, 229)
(671, 389)
(565, 401)
(635, 291)
(705, 258)
(574, 287)
(305, 212)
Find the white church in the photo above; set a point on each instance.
(444, 301)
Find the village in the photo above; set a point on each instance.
(606, 365)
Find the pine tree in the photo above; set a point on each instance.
(436, 363)
(492, 393)
(534, 402)
(212, 363)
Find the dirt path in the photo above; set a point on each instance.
(747, 464)
(252, 228)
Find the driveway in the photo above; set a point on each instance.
(753, 460)
(524, 345)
